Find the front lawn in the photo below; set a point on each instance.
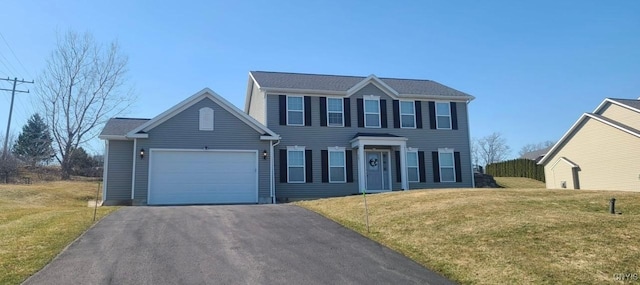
(502, 236)
(37, 221)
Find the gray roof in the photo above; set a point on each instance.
(536, 154)
(121, 126)
(285, 80)
(629, 102)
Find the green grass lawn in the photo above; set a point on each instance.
(519, 182)
(38, 221)
(502, 236)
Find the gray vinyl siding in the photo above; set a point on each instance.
(119, 171)
(317, 138)
(256, 106)
(182, 132)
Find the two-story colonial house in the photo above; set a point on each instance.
(300, 136)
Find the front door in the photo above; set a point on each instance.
(376, 170)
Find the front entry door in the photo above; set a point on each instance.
(376, 170)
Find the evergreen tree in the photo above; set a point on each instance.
(34, 142)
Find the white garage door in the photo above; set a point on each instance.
(202, 177)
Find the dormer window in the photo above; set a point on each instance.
(371, 112)
(206, 119)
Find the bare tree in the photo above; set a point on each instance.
(490, 149)
(83, 85)
(535, 146)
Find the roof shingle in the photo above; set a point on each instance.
(284, 80)
(121, 126)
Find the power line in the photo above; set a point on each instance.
(7, 64)
(13, 93)
(14, 55)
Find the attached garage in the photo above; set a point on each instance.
(202, 177)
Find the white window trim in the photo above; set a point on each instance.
(344, 163)
(417, 167)
(450, 122)
(341, 113)
(364, 110)
(302, 111)
(304, 164)
(413, 114)
(205, 126)
(453, 158)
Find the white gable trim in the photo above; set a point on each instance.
(573, 128)
(611, 101)
(565, 160)
(376, 82)
(204, 93)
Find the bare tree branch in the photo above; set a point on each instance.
(83, 85)
(490, 149)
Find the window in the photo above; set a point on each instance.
(206, 119)
(295, 111)
(372, 112)
(337, 169)
(407, 114)
(413, 172)
(443, 115)
(295, 165)
(447, 165)
(335, 112)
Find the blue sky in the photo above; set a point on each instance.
(533, 66)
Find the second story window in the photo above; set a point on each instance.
(371, 112)
(335, 112)
(443, 115)
(295, 111)
(407, 114)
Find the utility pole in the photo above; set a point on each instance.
(13, 94)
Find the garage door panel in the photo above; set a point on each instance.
(203, 177)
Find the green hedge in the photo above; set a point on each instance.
(520, 167)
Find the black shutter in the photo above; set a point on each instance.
(323, 111)
(308, 166)
(436, 166)
(383, 113)
(418, 114)
(396, 114)
(349, 165)
(347, 112)
(360, 105)
(398, 173)
(282, 99)
(283, 166)
(307, 111)
(324, 157)
(456, 158)
(432, 115)
(422, 166)
(454, 116)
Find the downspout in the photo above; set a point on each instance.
(133, 171)
(473, 178)
(272, 172)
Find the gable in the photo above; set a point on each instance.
(620, 113)
(140, 132)
(614, 130)
(186, 125)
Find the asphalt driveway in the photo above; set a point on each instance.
(240, 244)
